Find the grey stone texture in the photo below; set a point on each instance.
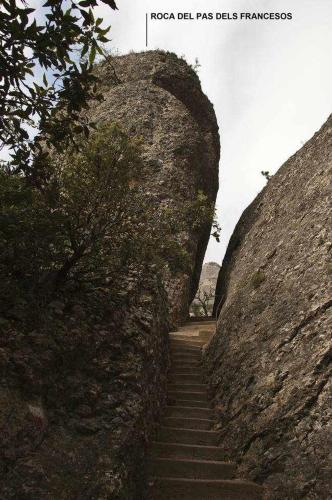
(270, 360)
(158, 96)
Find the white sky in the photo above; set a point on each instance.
(270, 82)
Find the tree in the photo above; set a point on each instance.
(51, 102)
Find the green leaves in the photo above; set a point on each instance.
(111, 3)
(26, 45)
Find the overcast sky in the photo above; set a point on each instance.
(270, 82)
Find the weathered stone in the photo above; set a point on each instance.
(74, 423)
(270, 358)
(157, 96)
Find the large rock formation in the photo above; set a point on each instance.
(203, 303)
(157, 96)
(269, 361)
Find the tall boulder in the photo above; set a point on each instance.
(270, 360)
(158, 96)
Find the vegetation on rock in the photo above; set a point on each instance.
(33, 42)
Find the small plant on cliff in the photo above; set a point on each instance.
(257, 278)
(88, 223)
(267, 175)
(202, 212)
(196, 67)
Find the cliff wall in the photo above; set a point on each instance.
(269, 362)
(157, 96)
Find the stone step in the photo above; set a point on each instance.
(187, 436)
(188, 423)
(191, 378)
(202, 489)
(191, 469)
(189, 412)
(187, 402)
(182, 356)
(186, 462)
(187, 387)
(188, 395)
(177, 366)
(186, 338)
(206, 335)
(190, 327)
(191, 364)
(188, 370)
(185, 347)
(186, 342)
(193, 452)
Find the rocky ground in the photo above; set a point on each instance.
(269, 362)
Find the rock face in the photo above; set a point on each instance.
(269, 361)
(157, 96)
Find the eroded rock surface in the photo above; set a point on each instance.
(269, 361)
(157, 96)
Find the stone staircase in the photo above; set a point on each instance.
(185, 460)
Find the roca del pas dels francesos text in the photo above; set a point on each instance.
(220, 16)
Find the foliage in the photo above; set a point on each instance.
(216, 228)
(267, 175)
(28, 47)
(78, 222)
(197, 65)
(88, 226)
(202, 212)
(203, 302)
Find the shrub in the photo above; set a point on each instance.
(257, 278)
(87, 224)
